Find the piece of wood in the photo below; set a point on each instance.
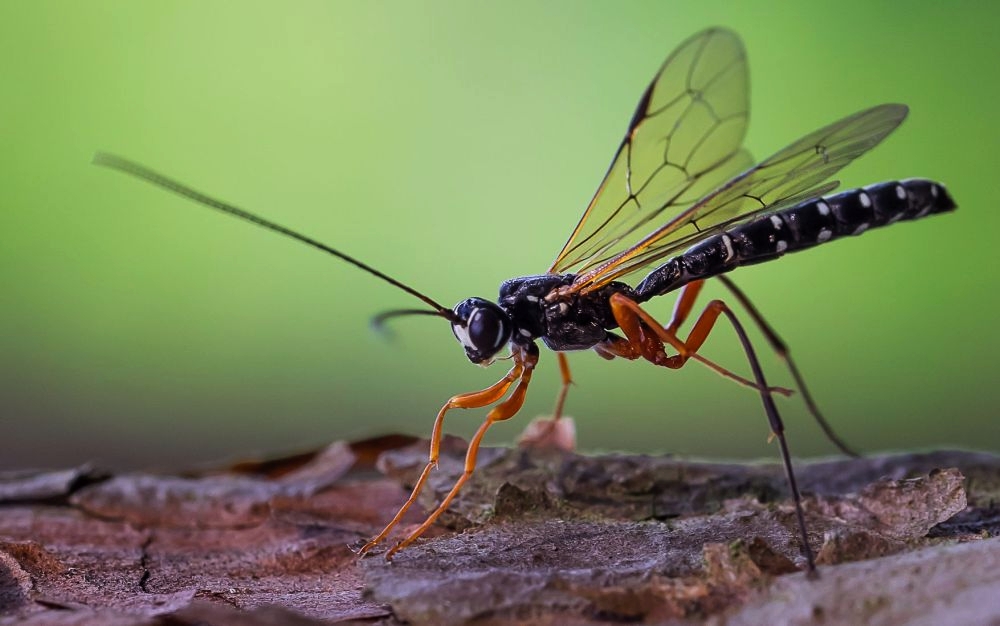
(546, 537)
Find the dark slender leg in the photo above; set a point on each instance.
(778, 428)
(647, 337)
(781, 349)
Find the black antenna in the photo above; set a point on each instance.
(140, 171)
(379, 320)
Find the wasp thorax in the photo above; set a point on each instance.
(481, 327)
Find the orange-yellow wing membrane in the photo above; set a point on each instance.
(792, 175)
(682, 142)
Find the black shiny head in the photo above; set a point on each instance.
(481, 327)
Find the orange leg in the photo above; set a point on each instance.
(685, 302)
(682, 309)
(550, 433)
(649, 337)
(653, 350)
(473, 400)
(646, 337)
(505, 410)
(567, 380)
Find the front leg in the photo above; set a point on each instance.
(472, 400)
(526, 358)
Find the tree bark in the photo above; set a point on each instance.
(537, 537)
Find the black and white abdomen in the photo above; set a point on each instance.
(799, 227)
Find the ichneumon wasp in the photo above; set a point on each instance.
(681, 194)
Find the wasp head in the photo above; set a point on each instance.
(481, 327)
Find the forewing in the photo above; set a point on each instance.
(794, 174)
(683, 141)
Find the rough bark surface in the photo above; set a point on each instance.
(538, 537)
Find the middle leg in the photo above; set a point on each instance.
(473, 400)
(567, 380)
(550, 432)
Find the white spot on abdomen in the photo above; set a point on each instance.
(728, 243)
(824, 235)
(781, 246)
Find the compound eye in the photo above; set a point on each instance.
(486, 330)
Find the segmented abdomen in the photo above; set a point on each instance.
(802, 226)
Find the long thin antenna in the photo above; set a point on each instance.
(378, 322)
(144, 173)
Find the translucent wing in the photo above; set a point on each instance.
(683, 141)
(793, 175)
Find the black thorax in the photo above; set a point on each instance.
(574, 322)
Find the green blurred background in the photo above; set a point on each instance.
(452, 145)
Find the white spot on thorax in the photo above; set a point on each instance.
(531, 298)
(865, 201)
(823, 208)
(861, 228)
(901, 193)
(524, 332)
(824, 235)
(781, 246)
(776, 221)
(934, 191)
